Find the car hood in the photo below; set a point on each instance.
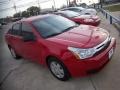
(83, 36)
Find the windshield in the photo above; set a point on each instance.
(71, 14)
(80, 8)
(53, 25)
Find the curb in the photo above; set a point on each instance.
(117, 26)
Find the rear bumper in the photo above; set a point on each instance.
(96, 23)
(84, 67)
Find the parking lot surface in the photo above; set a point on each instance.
(25, 75)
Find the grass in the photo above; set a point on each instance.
(113, 8)
(117, 26)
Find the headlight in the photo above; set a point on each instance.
(88, 20)
(82, 53)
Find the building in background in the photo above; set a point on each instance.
(82, 3)
(88, 2)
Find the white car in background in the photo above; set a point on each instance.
(82, 11)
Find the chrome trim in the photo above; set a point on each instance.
(102, 45)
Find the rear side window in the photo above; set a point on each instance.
(87, 13)
(74, 9)
(15, 29)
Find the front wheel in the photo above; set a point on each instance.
(58, 69)
(13, 53)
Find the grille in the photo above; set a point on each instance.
(102, 47)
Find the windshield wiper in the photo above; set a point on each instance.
(62, 31)
(70, 27)
(53, 35)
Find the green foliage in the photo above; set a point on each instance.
(113, 8)
(25, 14)
(17, 15)
(31, 11)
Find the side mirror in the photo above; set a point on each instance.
(29, 37)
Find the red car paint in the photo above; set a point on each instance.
(80, 19)
(83, 36)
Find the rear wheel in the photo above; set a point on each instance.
(13, 53)
(58, 69)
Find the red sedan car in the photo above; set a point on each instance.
(80, 19)
(67, 49)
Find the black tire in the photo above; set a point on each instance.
(66, 75)
(13, 53)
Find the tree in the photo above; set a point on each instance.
(25, 14)
(16, 15)
(101, 3)
(33, 10)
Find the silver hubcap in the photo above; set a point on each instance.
(57, 69)
(13, 52)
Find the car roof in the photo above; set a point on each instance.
(65, 12)
(78, 8)
(33, 18)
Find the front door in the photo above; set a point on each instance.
(31, 49)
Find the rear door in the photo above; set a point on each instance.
(14, 37)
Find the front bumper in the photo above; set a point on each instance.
(83, 67)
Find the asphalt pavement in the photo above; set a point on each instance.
(25, 75)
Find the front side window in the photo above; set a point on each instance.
(16, 26)
(53, 25)
(26, 28)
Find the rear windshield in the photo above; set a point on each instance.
(71, 14)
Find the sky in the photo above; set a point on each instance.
(6, 6)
